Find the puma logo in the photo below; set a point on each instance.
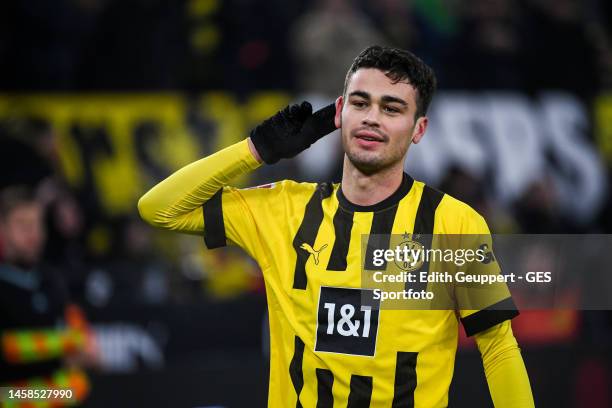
(313, 251)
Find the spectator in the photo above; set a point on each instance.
(326, 39)
(43, 338)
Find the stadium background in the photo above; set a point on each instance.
(100, 99)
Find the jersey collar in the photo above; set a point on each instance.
(388, 202)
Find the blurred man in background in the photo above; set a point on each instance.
(44, 339)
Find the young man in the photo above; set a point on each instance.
(307, 239)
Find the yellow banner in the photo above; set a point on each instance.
(121, 144)
(603, 126)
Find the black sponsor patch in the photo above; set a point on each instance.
(347, 321)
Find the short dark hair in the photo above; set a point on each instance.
(13, 197)
(398, 65)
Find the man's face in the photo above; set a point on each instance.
(23, 235)
(377, 120)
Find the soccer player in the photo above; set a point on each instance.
(325, 350)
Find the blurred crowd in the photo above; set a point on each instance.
(244, 45)
(109, 262)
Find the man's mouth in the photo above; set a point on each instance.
(369, 136)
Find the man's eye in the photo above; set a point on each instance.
(359, 104)
(391, 109)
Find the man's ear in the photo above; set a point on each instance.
(338, 117)
(419, 129)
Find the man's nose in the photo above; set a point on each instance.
(372, 117)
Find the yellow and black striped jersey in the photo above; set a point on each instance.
(306, 238)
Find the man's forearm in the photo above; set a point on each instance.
(504, 368)
(175, 203)
(254, 151)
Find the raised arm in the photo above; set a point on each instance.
(176, 202)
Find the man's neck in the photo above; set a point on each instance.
(369, 189)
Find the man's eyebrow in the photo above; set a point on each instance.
(362, 94)
(393, 99)
(384, 98)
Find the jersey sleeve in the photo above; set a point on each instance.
(251, 216)
(504, 367)
(480, 306)
(197, 199)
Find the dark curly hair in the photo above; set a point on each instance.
(398, 65)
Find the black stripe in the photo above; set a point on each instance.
(424, 221)
(380, 235)
(325, 381)
(343, 223)
(486, 318)
(361, 392)
(295, 369)
(424, 227)
(405, 380)
(214, 229)
(307, 233)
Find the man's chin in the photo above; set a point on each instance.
(367, 165)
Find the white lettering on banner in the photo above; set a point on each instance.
(579, 179)
(511, 139)
(514, 129)
(123, 346)
(456, 136)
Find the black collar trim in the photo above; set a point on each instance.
(388, 202)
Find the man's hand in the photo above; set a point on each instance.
(291, 131)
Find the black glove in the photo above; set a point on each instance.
(291, 131)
